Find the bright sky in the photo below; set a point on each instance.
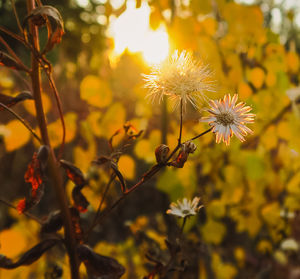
(131, 29)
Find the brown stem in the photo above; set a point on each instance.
(69, 234)
(22, 121)
(13, 35)
(16, 15)
(94, 223)
(180, 128)
(13, 54)
(61, 115)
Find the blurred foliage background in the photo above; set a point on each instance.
(249, 227)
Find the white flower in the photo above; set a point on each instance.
(180, 78)
(289, 244)
(227, 118)
(185, 208)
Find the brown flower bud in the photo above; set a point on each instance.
(180, 159)
(161, 153)
(189, 147)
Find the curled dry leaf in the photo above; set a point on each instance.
(80, 201)
(9, 101)
(74, 173)
(8, 61)
(53, 223)
(49, 16)
(98, 265)
(30, 256)
(34, 175)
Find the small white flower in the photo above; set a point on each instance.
(227, 118)
(180, 78)
(289, 244)
(185, 208)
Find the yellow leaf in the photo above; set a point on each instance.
(257, 77)
(127, 167)
(269, 138)
(55, 129)
(292, 60)
(95, 91)
(222, 270)
(244, 90)
(30, 107)
(16, 135)
(145, 148)
(271, 213)
(113, 120)
(215, 209)
(213, 232)
(284, 130)
(264, 246)
(271, 79)
(12, 242)
(210, 26)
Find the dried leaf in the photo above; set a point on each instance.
(74, 173)
(7, 61)
(34, 175)
(120, 176)
(51, 17)
(98, 265)
(9, 101)
(30, 256)
(53, 223)
(80, 201)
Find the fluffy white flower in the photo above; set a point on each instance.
(227, 118)
(181, 78)
(185, 208)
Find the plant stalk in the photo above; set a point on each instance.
(69, 233)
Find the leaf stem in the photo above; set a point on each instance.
(25, 213)
(22, 121)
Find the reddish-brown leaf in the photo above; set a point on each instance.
(49, 16)
(30, 256)
(80, 201)
(7, 61)
(74, 173)
(98, 265)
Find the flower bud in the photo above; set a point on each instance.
(189, 147)
(161, 153)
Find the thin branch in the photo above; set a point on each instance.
(12, 53)
(25, 213)
(180, 129)
(200, 135)
(13, 35)
(22, 121)
(94, 223)
(16, 15)
(61, 115)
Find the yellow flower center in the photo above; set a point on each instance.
(225, 118)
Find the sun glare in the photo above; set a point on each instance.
(132, 31)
